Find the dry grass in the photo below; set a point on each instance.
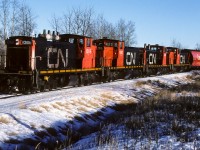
(46, 107)
(93, 104)
(82, 109)
(162, 95)
(12, 133)
(142, 120)
(35, 109)
(189, 77)
(60, 103)
(107, 96)
(140, 83)
(22, 105)
(33, 126)
(56, 106)
(82, 101)
(4, 120)
(104, 102)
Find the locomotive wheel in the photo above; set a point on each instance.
(52, 85)
(44, 86)
(61, 82)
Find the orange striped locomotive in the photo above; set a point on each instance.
(51, 61)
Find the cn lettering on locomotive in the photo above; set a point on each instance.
(152, 59)
(130, 58)
(56, 55)
(182, 59)
(133, 56)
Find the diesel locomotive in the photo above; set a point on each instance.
(57, 60)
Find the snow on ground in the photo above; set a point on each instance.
(21, 117)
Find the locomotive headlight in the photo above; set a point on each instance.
(57, 37)
(48, 37)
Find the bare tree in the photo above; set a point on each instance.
(197, 46)
(26, 23)
(13, 19)
(100, 27)
(67, 22)
(110, 31)
(126, 32)
(121, 29)
(176, 44)
(4, 17)
(82, 22)
(55, 23)
(86, 20)
(130, 38)
(78, 21)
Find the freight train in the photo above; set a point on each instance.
(56, 60)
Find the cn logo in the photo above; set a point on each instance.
(182, 59)
(59, 55)
(130, 58)
(152, 58)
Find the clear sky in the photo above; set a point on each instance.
(157, 21)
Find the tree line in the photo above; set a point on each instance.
(17, 18)
(86, 22)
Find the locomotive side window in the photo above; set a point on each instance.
(109, 44)
(99, 44)
(120, 45)
(115, 44)
(88, 42)
(81, 42)
(71, 40)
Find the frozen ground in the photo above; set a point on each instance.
(23, 117)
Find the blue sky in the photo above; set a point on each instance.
(157, 21)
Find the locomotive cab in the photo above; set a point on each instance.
(156, 55)
(173, 55)
(20, 52)
(85, 50)
(110, 53)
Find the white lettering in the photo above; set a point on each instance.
(182, 59)
(59, 54)
(66, 55)
(152, 58)
(130, 58)
(17, 41)
(88, 51)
